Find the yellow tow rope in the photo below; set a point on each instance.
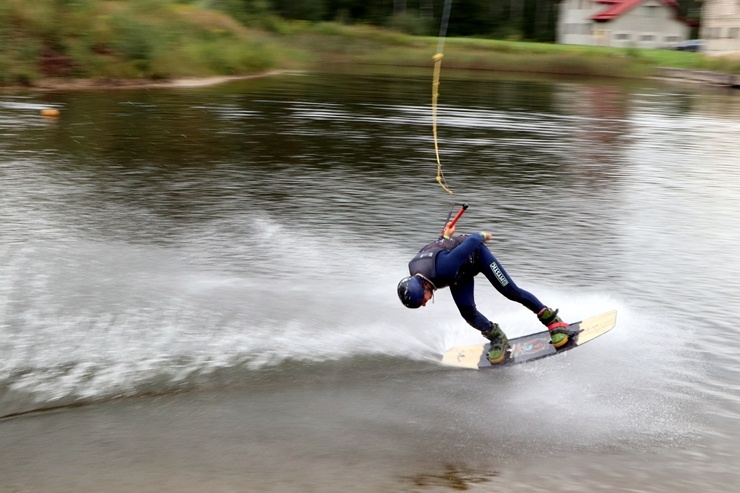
(435, 92)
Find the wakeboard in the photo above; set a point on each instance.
(533, 346)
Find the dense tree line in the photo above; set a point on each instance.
(501, 19)
(504, 19)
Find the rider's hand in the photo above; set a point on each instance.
(448, 231)
(486, 236)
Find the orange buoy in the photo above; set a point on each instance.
(50, 112)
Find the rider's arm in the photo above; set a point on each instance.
(448, 262)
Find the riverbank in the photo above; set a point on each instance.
(700, 76)
(178, 45)
(56, 84)
(704, 77)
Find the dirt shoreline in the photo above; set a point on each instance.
(94, 84)
(668, 74)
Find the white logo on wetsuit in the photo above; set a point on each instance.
(499, 275)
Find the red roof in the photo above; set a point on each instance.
(619, 7)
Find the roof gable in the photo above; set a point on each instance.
(618, 7)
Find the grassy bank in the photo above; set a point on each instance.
(146, 40)
(116, 39)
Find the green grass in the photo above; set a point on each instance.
(165, 39)
(117, 39)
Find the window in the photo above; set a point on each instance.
(651, 11)
(622, 36)
(646, 37)
(671, 39)
(734, 32)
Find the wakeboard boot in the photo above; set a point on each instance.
(499, 344)
(550, 319)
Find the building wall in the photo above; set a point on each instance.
(721, 26)
(650, 24)
(575, 26)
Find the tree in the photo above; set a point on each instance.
(310, 10)
(529, 19)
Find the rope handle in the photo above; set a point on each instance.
(450, 223)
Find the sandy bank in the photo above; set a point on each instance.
(92, 84)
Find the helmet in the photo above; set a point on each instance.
(411, 291)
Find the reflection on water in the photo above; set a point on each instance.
(249, 237)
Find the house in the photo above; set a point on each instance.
(622, 23)
(720, 27)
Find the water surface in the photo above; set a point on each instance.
(211, 273)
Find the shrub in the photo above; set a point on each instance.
(410, 23)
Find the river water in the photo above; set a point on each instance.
(197, 286)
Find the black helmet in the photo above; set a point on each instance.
(411, 291)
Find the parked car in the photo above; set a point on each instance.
(688, 45)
